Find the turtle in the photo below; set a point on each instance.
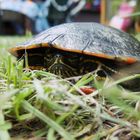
(73, 49)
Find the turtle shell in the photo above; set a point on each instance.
(86, 38)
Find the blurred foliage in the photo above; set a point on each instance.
(8, 41)
(115, 6)
(138, 36)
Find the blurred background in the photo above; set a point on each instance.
(20, 17)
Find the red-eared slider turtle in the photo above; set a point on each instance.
(73, 49)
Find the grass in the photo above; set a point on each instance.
(40, 105)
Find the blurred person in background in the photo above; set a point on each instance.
(61, 11)
(41, 22)
(122, 20)
(41, 14)
(75, 6)
(30, 9)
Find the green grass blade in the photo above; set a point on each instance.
(4, 135)
(59, 120)
(47, 120)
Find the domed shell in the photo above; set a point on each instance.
(88, 38)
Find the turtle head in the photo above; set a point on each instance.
(60, 63)
(68, 64)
